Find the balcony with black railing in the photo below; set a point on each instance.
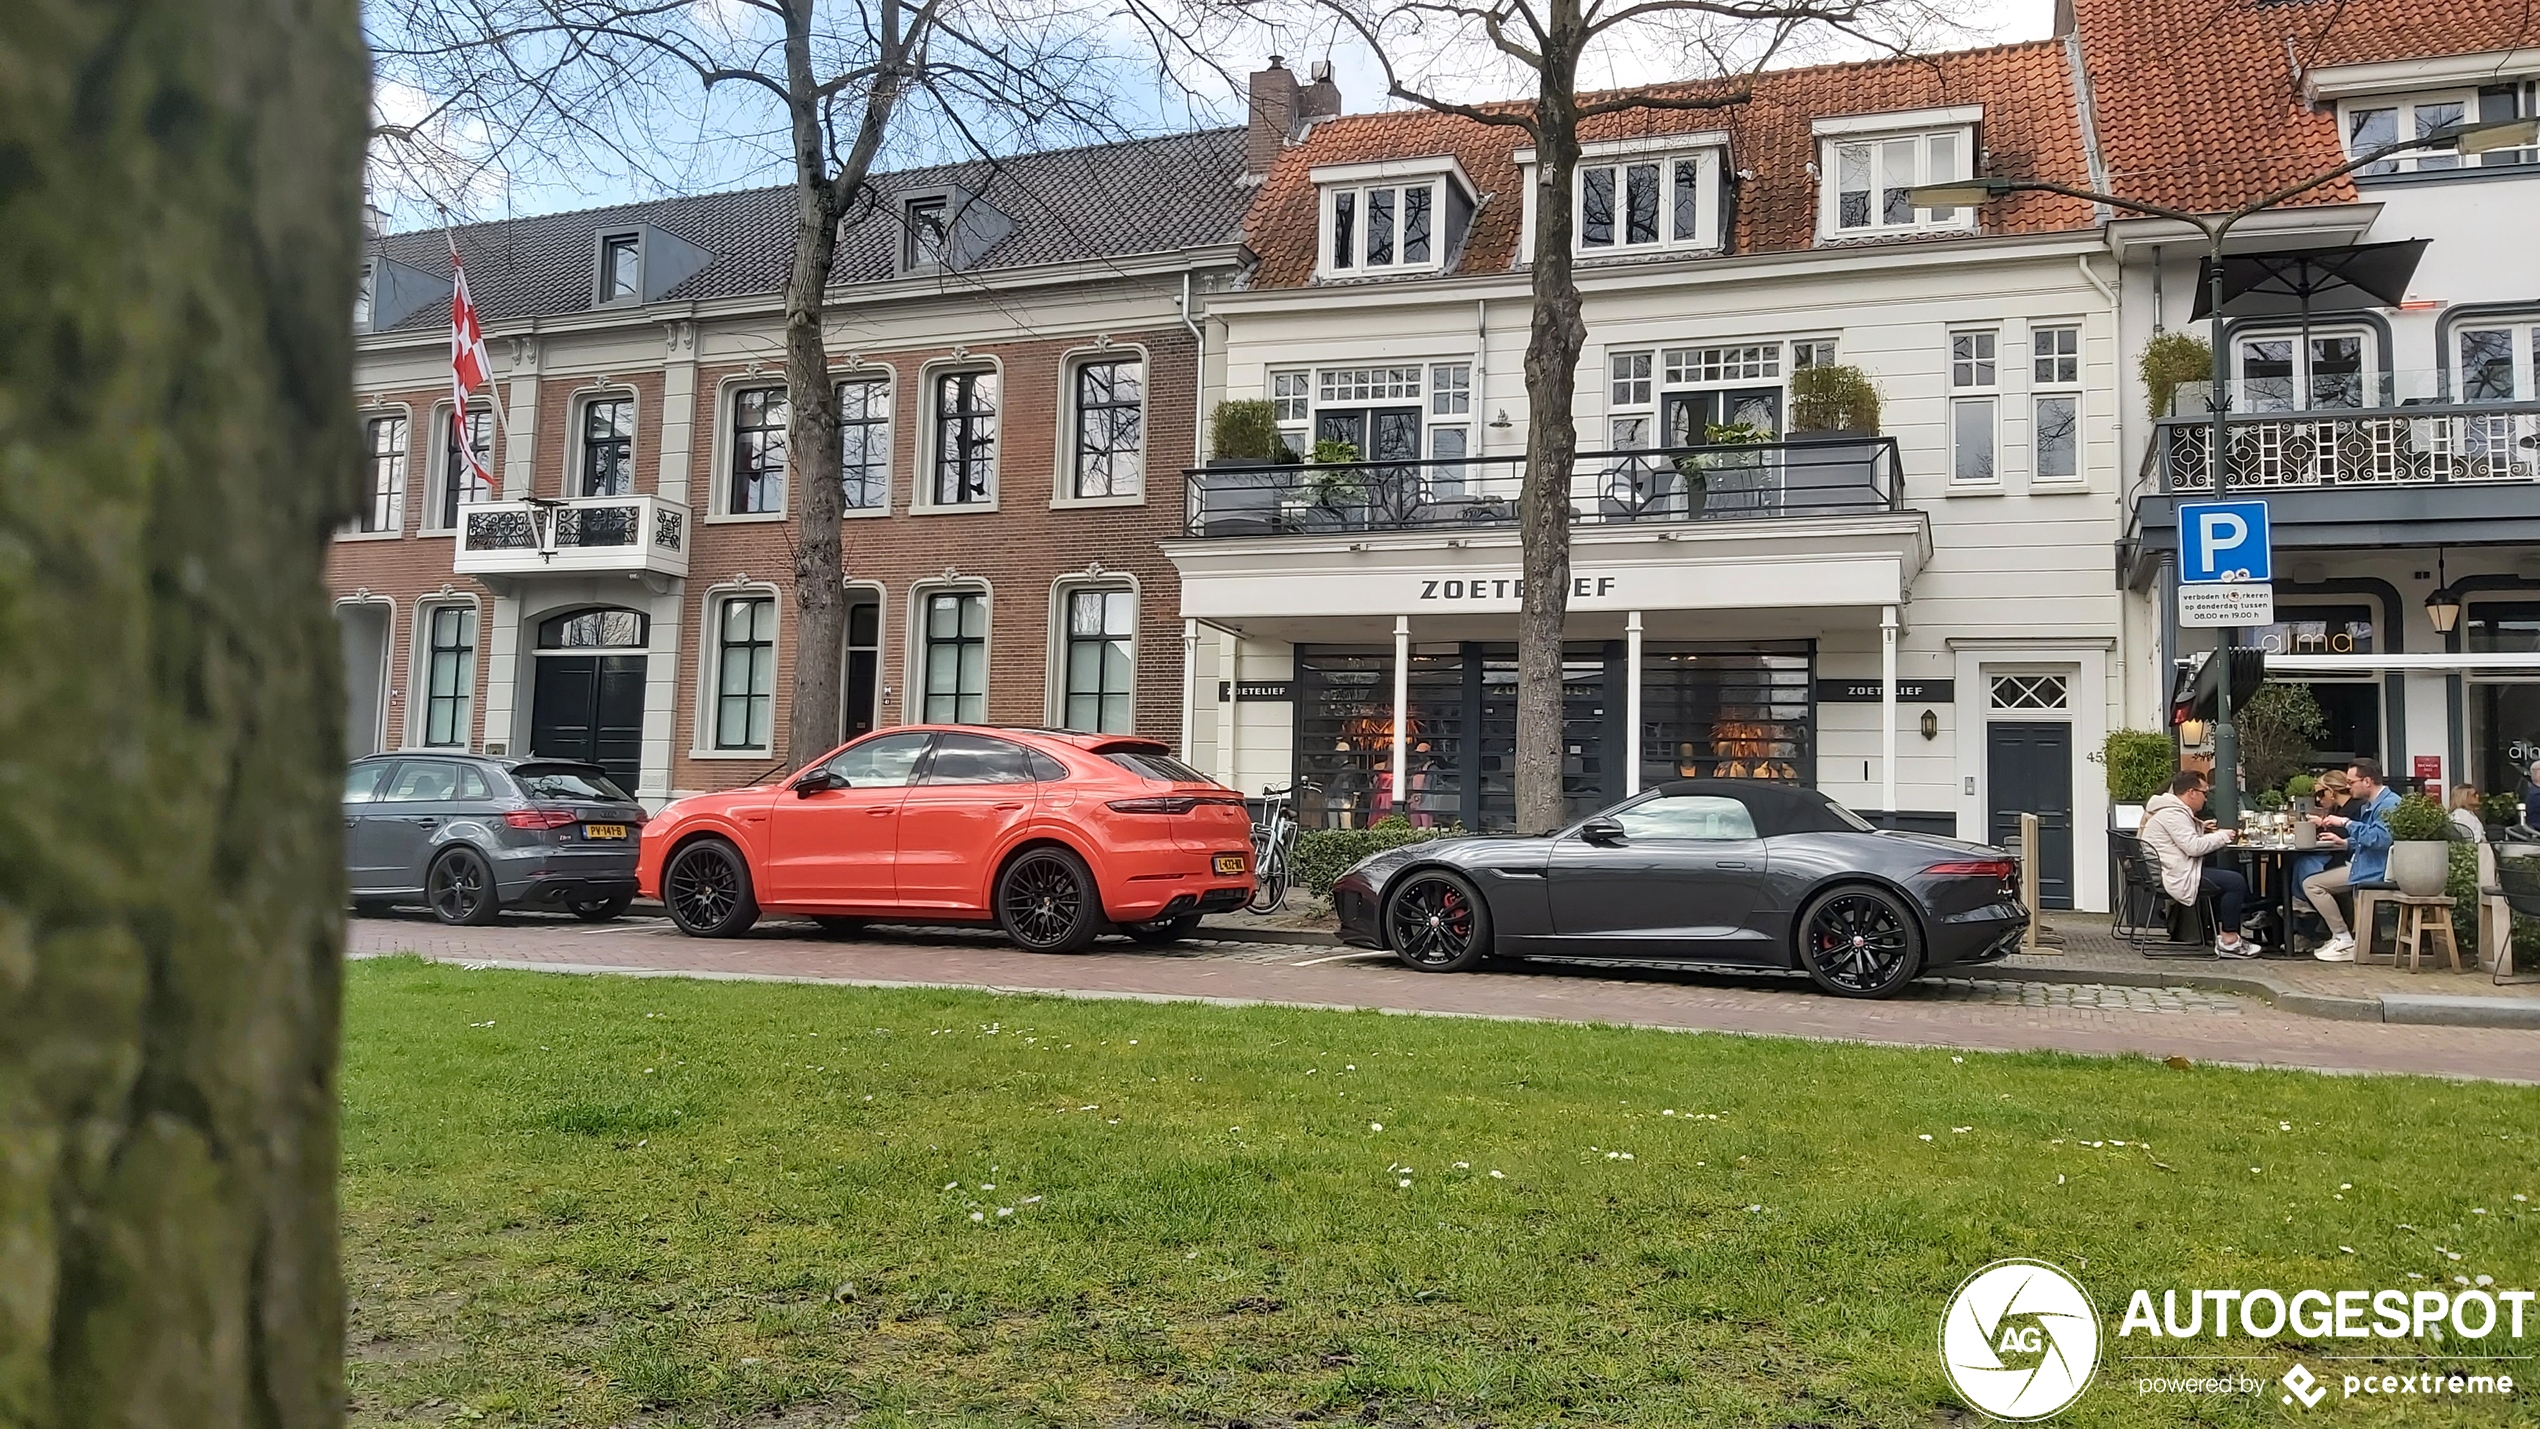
(2377, 431)
(584, 535)
(1762, 481)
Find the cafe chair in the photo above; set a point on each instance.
(2143, 880)
(2518, 887)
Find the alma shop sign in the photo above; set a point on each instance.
(1508, 588)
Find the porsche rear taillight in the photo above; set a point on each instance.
(1974, 868)
(539, 818)
(1167, 803)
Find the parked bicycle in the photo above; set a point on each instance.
(1274, 848)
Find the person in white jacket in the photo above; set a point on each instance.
(2175, 832)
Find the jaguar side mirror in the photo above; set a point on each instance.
(1602, 831)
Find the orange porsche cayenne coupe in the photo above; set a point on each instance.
(1050, 834)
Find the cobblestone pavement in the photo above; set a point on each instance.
(1976, 1013)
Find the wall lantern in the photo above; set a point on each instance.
(1931, 725)
(2191, 733)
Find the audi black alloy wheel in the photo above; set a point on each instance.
(1860, 942)
(460, 888)
(1436, 923)
(707, 890)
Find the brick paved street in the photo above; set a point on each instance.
(1980, 1013)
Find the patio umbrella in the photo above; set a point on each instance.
(2312, 280)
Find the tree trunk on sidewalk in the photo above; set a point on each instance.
(1552, 438)
(179, 189)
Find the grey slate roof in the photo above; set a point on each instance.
(1119, 200)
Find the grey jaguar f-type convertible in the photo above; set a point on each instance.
(1704, 872)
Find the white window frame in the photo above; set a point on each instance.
(419, 709)
(2406, 125)
(395, 496)
(1876, 131)
(2522, 343)
(1063, 593)
(1071, 426)
(1446, 432)
(444, 475)
(920, 596)
(2304, 376)
(1620, 159)
(727, 433)
(921, 497)
(1291, 392)
(1631, 398)
(1358, 180)
(887, 426)
(580, 475)
(364, 296)
(708, 741)
(1976, 381)
(2048, 384)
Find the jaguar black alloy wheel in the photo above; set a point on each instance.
(1860, 942)
(707, 890)
(460, 888)
(1436, 923)
(1046, 902)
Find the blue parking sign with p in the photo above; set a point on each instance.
(2223, 541)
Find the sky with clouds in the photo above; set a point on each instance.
(723, 145)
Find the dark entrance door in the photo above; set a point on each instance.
(591, 707)
(2029, 770)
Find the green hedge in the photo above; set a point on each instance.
(1323, 855)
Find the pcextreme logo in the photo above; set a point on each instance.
(2020, 1340)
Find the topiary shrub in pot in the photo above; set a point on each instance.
(2139, 763)
(1834, 398)
(2420, 846)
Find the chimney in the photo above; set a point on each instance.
(1274, 108)
(1320, 99)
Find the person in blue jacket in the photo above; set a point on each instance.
(2366, 833)
(2531, 797)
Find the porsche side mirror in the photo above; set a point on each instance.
(817, 782)
(1602, 831)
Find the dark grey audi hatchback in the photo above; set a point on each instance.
(468, 835)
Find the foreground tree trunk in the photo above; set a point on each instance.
(1558, 334)
(179, 185)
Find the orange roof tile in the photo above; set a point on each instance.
(2199, 102)
(2031, 130)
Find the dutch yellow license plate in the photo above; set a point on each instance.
(604, 831)
(1230, 864)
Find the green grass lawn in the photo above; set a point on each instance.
(597, 1201)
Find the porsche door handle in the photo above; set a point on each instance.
(1008, 808)
(877, 813)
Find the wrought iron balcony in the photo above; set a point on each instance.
(2426, 443)
(1826, 476)
(584, 535)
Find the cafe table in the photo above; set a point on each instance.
(2266, 858)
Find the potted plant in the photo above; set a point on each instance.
(1238, 494)
(1833, 400)
(2420, 846)
(1333, 485)
(2139, 764)
(2171, 361)
(1696, 467)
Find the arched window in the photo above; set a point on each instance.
(598, 628)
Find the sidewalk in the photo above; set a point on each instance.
(2353, 992)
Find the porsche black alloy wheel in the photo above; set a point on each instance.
(1860, 942)
(707, 890)
(1046, 902)
(1436, 923)
(460, 888)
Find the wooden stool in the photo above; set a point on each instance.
(2419, 917)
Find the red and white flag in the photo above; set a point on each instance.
(470, 368)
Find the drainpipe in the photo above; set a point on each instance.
(1190, 680)
(1631, 703)
(1199, 376)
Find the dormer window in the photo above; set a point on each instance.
(361, 298)
(2386, 119)
(1388, 218)
(1868, 165)
(929, 235)
(1638, 196)
(621, 268)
